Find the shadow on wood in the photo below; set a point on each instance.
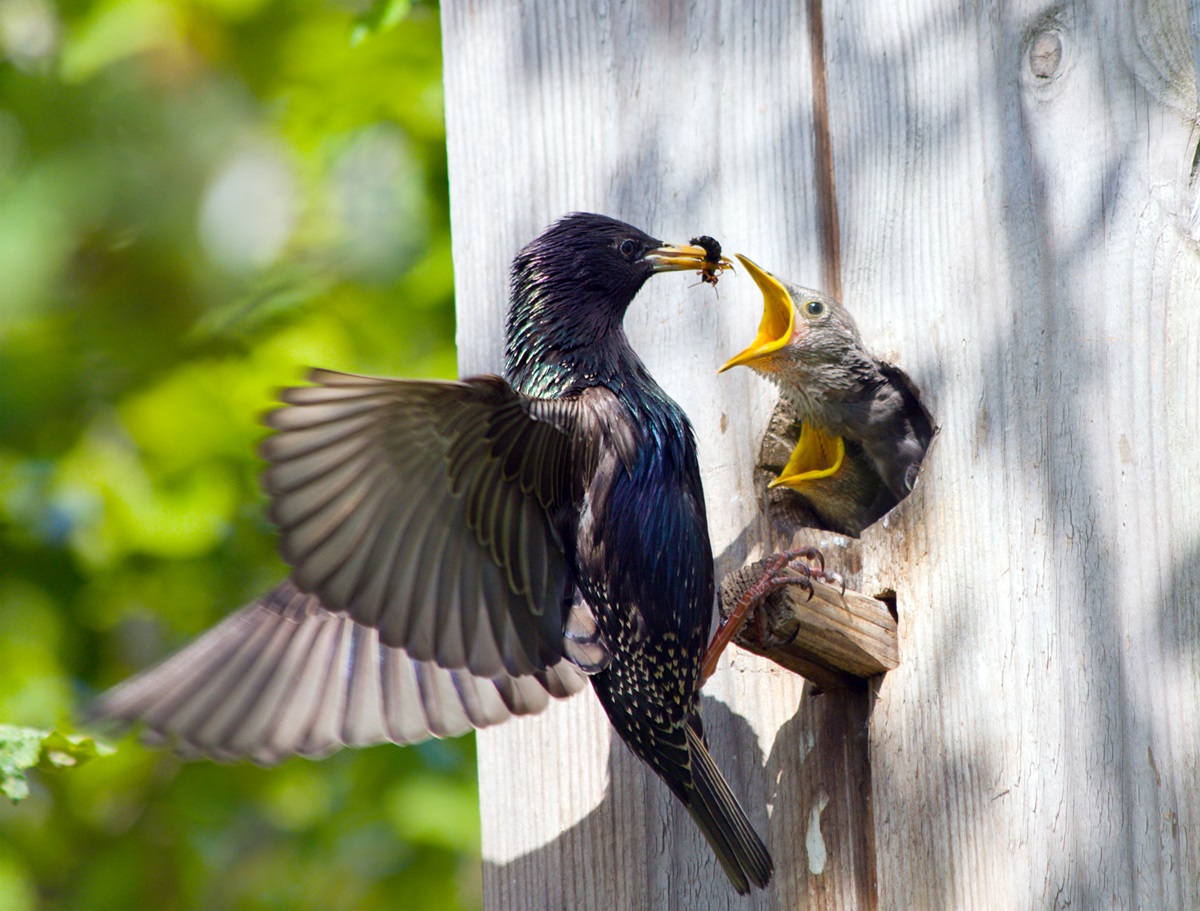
(816, 781)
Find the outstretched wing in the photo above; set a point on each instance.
(283, 676)
(428, 511)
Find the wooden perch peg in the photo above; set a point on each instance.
(834, 639)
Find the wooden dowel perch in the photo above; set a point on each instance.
(834, 640)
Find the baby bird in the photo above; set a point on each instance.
(861, 416)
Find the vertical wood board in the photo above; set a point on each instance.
(1014, 189)
(1016, 206)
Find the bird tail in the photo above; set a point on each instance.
(723, 821)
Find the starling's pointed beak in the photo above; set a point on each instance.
(817, 455)
(778, 317)
(681, 257)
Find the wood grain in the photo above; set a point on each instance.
(1018, 242)
(832, 637)
(1017, 234)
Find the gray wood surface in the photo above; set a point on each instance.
(835, 638)
(1016, 216)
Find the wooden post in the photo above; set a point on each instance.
(835, 638)
(1015, 201)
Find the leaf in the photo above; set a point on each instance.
(26, 748)
(19, 750)
(382, 16)
(61, 751)
(436, 810)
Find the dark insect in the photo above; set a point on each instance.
(712, 247)
(713, 264)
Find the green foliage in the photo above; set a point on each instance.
(22, 749)
(198, 199)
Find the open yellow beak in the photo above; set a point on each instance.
(817, 455)
(778, 317)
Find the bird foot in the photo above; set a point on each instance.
(781, 569)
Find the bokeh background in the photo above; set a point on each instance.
(198, 199)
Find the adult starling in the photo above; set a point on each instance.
(451, 524)
(809, 345)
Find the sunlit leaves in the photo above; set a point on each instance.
(435, 810)
(22, 749)
(148, 313)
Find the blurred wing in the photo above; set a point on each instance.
(283, 675)
(423, 509)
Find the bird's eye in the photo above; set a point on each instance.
(814, 308)
(627, 248)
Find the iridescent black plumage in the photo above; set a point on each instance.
(638, 547)
(437, 532)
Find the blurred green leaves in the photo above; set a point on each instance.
(198, 200)
(22, 749)
(434, 810)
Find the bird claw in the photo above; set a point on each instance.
(781, 569)
(810, 554)
(835, 579)
(808, 572)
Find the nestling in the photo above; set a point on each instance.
(861, 415)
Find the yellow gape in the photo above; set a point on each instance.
(817, 455)
(778, 319)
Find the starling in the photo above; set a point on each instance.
(855, 408)
(499, 536)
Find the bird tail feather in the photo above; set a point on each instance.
(724, 823)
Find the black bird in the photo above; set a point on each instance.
(444, 528)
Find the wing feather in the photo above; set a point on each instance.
(428, 510)
(285, 676)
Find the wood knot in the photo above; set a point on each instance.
(1046, 54)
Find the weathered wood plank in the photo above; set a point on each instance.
(641, 111)
(1017, 235)
(834, 638)
(1013, 231)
